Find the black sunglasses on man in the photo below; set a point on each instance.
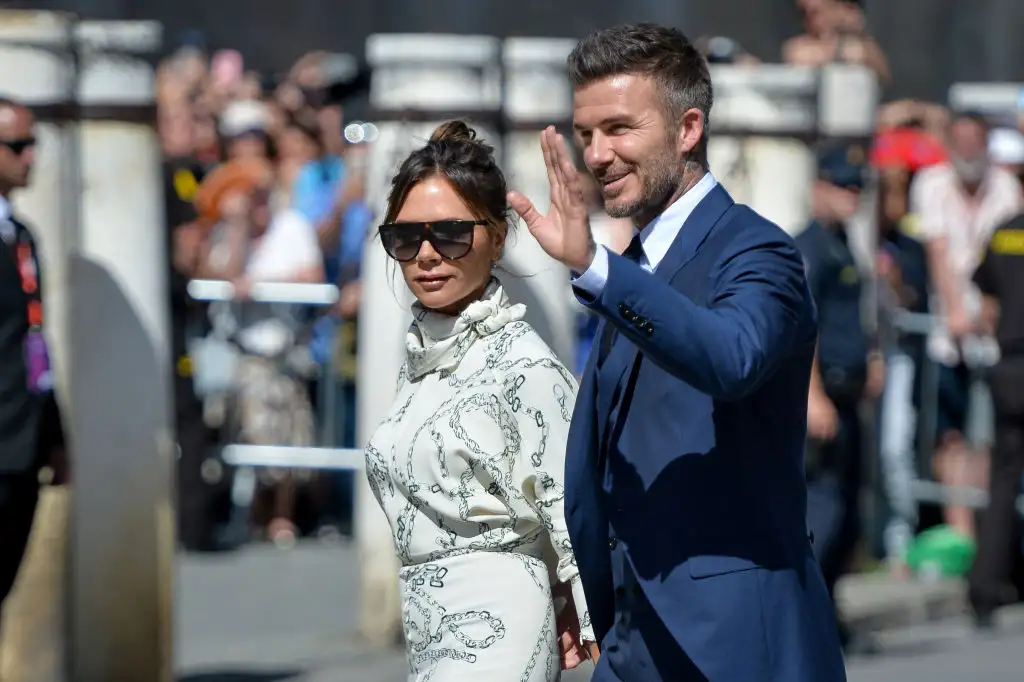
(19, 145)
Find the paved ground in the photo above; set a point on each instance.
(262, 615)
(949, 651)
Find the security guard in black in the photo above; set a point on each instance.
(833, 454)
(834, 278)
(1000, 278)
(31, 431)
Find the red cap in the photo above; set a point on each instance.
(907, 148)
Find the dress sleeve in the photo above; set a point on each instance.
(541, 396)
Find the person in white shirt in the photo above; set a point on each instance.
(468, 466)
(270, 403)
(959, 204)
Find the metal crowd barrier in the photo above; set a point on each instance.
(923, 490)
(211, 290)
(247, 458)
(244, 456)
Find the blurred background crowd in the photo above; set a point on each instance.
(265, 167)
(261, 185)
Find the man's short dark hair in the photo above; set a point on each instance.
(660, 52)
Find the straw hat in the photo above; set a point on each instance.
(235, 176)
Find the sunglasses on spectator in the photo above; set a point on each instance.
(451, 239)
(20, 145)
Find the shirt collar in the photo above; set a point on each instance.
(5, 209)
(657, 236)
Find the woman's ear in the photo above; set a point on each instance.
(498, 240)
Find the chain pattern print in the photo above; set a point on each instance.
(468, 469)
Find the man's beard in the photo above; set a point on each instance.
(658, 181)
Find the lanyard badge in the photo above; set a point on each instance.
(37, 356)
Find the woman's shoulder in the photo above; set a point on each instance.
(520, 338)
(520, 349)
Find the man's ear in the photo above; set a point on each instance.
(690, 132)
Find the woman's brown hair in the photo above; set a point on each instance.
(456, 153)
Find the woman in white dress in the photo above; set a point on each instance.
(468, 466)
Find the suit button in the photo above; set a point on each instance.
(613, 543)
(623, 309)
(649, 329)
(810, 537)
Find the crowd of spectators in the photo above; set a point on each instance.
(261, 186)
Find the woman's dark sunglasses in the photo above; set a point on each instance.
(451, 239)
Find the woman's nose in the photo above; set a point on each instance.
(427, 254)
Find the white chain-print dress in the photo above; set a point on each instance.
(468, 468)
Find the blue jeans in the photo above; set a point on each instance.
(897, 430)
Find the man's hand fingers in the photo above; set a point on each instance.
(525, 208)
(565, 169)
(550, 161)
(573, 186)
(569, 177)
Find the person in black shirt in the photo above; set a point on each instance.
(201, 491)
(845, 369)
(1000, 278)
(31, 435)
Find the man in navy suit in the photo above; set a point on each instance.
(685, 490)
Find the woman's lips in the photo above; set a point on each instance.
(433, 282)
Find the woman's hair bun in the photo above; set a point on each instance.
(454, 131)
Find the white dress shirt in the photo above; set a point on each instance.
(944, 211)
(656, 237)
(8, 231)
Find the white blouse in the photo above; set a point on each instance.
(472, 456)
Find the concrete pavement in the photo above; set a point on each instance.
(262, 615)
(947, 651)
(876, 601)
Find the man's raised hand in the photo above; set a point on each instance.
(564, 233)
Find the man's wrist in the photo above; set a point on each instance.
(580, 268)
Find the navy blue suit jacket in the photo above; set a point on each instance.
(686, 449)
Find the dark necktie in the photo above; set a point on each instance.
(634, 252)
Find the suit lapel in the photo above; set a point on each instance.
(695, 230)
